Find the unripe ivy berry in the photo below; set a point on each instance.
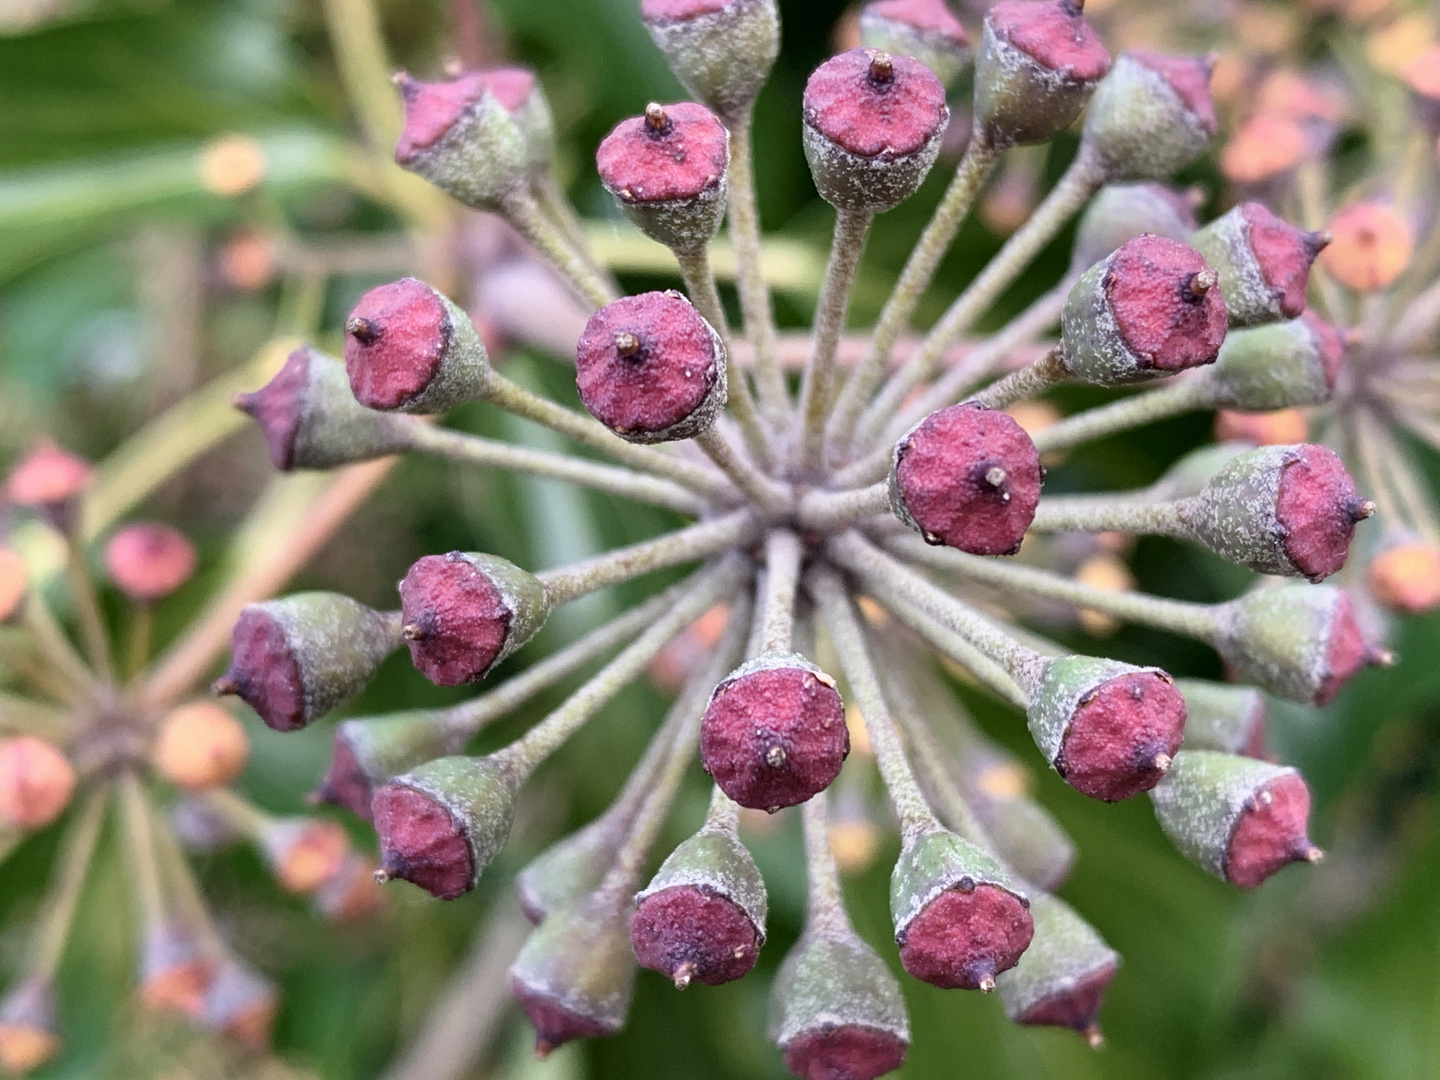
(669, 171)
(50, 481)
(311, 419)
(1279, 365)
(1189, 475)
(368, 751)
(1238, 818)
(924, 29)
(465, 612)
(1263, 262)
(200, 745)
(720, 50)
(703, 914)
(1109, 729)
(651, 369)
(29, 1031)
(836, 1011)
(1151, 115)
(575, 974)
(873, 126)
(149, 561)
(304, 853)
(1122, 212)
(1288, 510)
(1301, 642)
(14, 584)
(36, 782)
(295, 659)
(1061, 978)
(241, 1005)
(1223, 717)
(567, 870)
(441, 823)
(1151, 308)
(1037, 66)
(409, 349)
(463, 138)
(959, 919)
(967, 477)
(1406, 577)
(774, 732)
(520, 93)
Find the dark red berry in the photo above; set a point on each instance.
(395, 340)
(774, 734)
(1329, 341)
(456, 619)
(1318, 509)
(1271, 832)
(1346, 651)
(650, 368)
(1054, 35)
(554, 1024)
(432, 108)
(1076, 1005)
(875, 105)
(687, 932)
(1189, 77)
(149, 561)
(1283, 254)
(421, 842)
(1165, 303)
(673, 152)
(968, 477)
(279, 407)
(1123, 736)
(844, 1052)
(265, 670)
(964, 938)
(345, 782)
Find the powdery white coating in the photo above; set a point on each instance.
(1189, 475)
(1189, 77)
(651, 369)
(832, 980)
(720, 50)
(1140, 126)
(1223, 717)
(1121, 212)
(934, 863)
(715, 859)
(460, 137)
(1263, 261)
(149, 561)
(567, 869)
(1299, 641)
(690, 932)
(966, 936)
(924, 29)
(1065, 960)
(408, 348)
(871, 141)
(295, 659)
(1271, 833)
(1204, 798)
(1277, 366)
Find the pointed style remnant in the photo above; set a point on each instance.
(720, 50)
(36, 782)
(1302, 642)
(959, 918)
(1279, 365)
(967, 477)
(1149, 309)
(669, 170)
(1370, 246)
(1288, 510)
(368, 751)
(651, 369)
(1263, 261)
(873, 126)
(774, 732)
(1151, 115)
(463, 138)
(1121, 212)
(409, 349)
(1061, 978)
(148, 561)
(1238, 818)
(311, 419)
(200, 745)
(241, 1004)
(441, 823)
(29, 1031)
(1405, 577)
(1037, 66)
(836, 1011)
(1223, 717)
(295, 659)
(924, 29)
(50, 481)
(1109, 729)
(703, 914)
(465, 612)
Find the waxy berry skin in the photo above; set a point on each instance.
(964, 938)
(686, 932)
(720, 50)
(460, 135)
(1150, 116)
(969, 478)
(651, 369)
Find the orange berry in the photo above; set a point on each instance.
(1371, 246)
(1406, 577)
(1266, 145)
(231, 165)
(247, 261)
(352, 893)
(1280, 428)
(305, 853)
(13, 583)
(36, 782)
(200, 745)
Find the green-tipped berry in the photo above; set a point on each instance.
(1151, 115)
(1121, 212)
(1223, 717)
(461, 137)
(368, 751)
(1279, 365)
(1061, 979)
(1264, 263)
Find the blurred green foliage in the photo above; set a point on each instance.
(1322, 974)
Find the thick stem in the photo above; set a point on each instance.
(783, 555)
(514, 398)
(519, 208)
(979, 160)
(1178, 616)
(824, 902)
(87, 609)
(699, 280)
(685, 545)
(750, 275)
(707, 587)
(829, 509)
(1080, 181)
(818, 381)
(64, 895)
(1110, 513)
(838, 615)
(770, 495)
(489, 453)
(1030, 381)
(1177, 397)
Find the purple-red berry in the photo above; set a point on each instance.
(461, 134)
(1151, 115)
(149, 561)
(651, 369)
(924, 29)
(1061, 979)
(967, 477)
(721, 50)
(1318, 509)
(1263, 261)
